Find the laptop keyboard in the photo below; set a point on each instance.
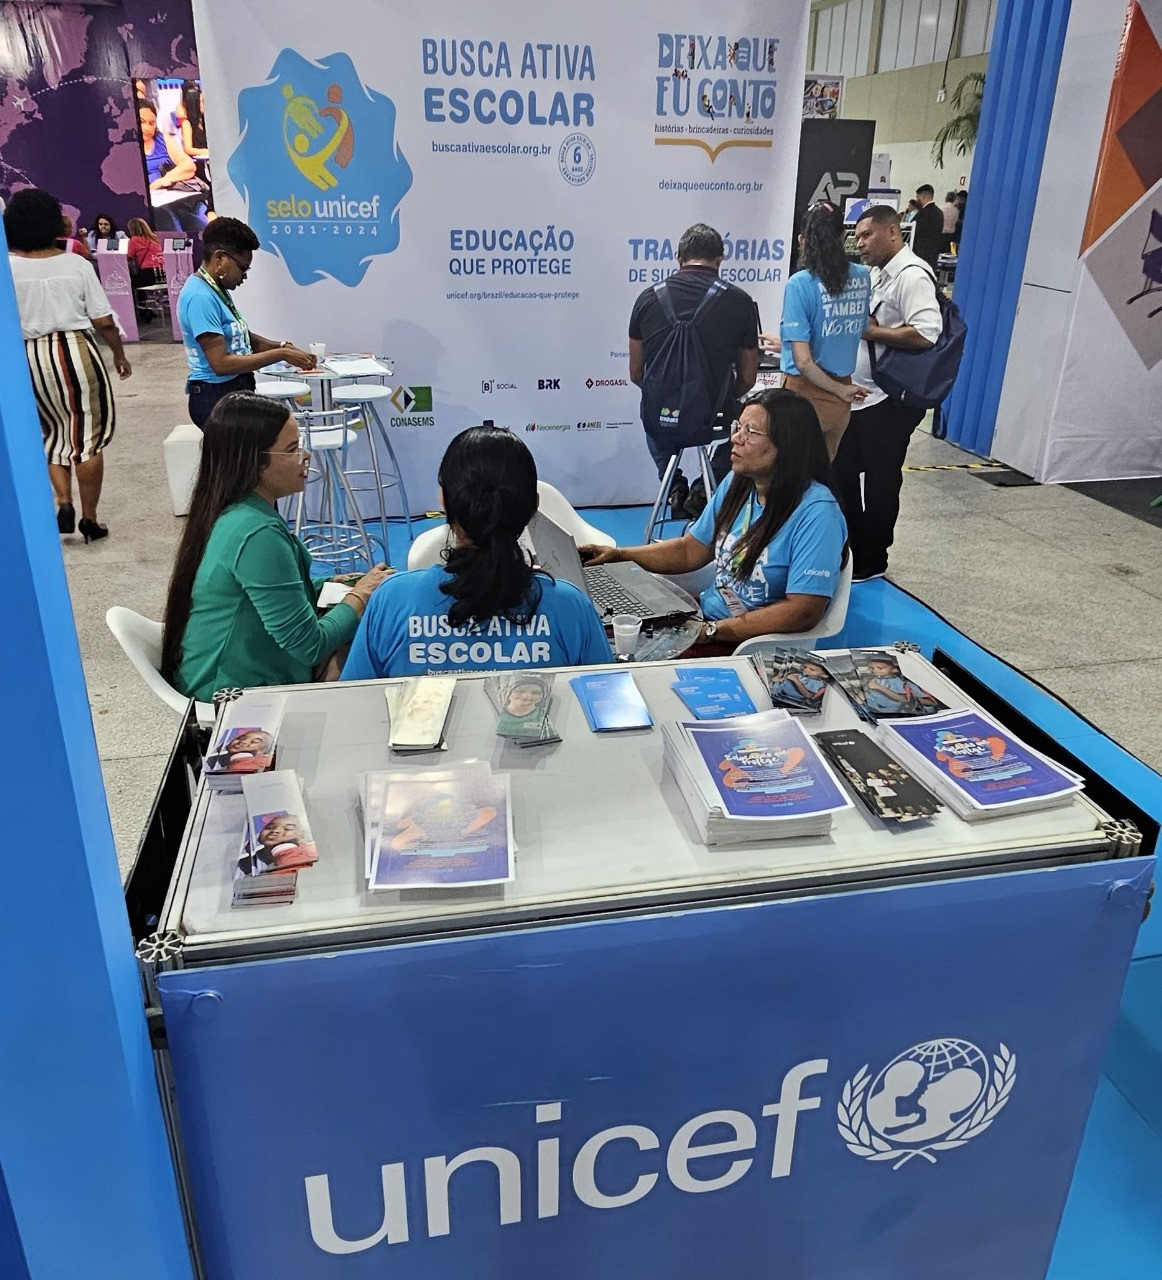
(610, 596)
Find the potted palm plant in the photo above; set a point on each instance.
(962, 128)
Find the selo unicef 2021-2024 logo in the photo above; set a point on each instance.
(320, 168)
(933, 1097)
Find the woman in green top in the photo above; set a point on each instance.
(241, 607)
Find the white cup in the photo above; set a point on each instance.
(626, 629)
(319, 351)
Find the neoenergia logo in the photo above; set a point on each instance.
(320, 169)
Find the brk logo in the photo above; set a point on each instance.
(933, 1097)
(548, 384)
(320, 168)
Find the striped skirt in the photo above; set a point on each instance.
(74, 396)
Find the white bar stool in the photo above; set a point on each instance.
(283, 389)
(336, 534)
(364, 397)
(657, 519)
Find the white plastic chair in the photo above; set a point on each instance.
(430, 545)
(834, 616)
(141, 639)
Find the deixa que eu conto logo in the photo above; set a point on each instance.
(320, 168)
(927, 1101)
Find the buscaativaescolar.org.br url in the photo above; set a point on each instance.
(493, 148)
(490, 295)
(708, 184)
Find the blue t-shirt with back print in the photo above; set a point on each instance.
(803, 558)
(405, 631)
(831, 326)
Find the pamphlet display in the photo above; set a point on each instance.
(976, 766)
(522, 703)
(882, 785)
(244, 741)
(712, 693)
(611, 702)
(276, 843)
(418, 709)
(757, 777)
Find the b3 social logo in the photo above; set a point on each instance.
(320, 168)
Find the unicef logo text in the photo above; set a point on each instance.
(933, 1097)
(319, 167)
(577, 159)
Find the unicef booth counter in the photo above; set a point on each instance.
(869, 1055)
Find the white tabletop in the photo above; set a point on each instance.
(599, 825)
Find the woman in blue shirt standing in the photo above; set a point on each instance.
(773, 531)
(826, 308)
(221, 350)
(485, 607)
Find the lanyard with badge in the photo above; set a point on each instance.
(729, 596)
(228, 302)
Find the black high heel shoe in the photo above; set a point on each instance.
(91, 531)
(66, 518)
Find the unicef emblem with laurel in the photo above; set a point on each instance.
(934, 1097)
(320, 168)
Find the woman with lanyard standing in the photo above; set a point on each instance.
(773, 531)
(222, 353)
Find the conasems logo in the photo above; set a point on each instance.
(414, 405)
(320, 169)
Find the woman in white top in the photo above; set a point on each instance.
(61, 301)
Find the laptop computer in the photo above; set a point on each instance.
(613, 588)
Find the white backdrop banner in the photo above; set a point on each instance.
(480, 191)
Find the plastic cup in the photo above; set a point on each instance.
(626, 629)
(319, 351)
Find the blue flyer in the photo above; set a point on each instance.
(768, 769)
(611, 701)
(982, 759)
(713, 693)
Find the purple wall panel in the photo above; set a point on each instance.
(67, 121)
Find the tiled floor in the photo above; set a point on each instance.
(1056, 583)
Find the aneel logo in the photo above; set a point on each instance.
(589, 426)
(548, 384)
(320, 169)
(932, 1098)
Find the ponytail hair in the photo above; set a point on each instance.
(489, 481)
(823, 252)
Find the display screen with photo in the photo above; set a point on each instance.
(172, 122)
(821, 97)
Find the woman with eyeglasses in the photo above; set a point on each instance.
(826, 308)
(774, 531)
(221, 350)
(241, 606)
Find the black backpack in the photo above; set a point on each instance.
(679, 404)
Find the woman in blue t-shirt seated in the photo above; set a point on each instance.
(485, 608)
(774, 530)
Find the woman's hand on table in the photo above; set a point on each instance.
(363, 588)
(591, 553)
(300, 359)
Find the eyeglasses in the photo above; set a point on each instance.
(244, 267)
(741, 429)
(300, 453)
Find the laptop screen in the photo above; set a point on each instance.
(556, 551)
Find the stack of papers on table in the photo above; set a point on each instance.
(753, 779)
(244, 740)
(418, 709)
(355, 367)
(611, 701)
(445, 828)
(277, 843)
(976, 766)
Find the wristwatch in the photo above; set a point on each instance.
(709, 630)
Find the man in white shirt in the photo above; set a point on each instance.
(951, 211)
(905, 314)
